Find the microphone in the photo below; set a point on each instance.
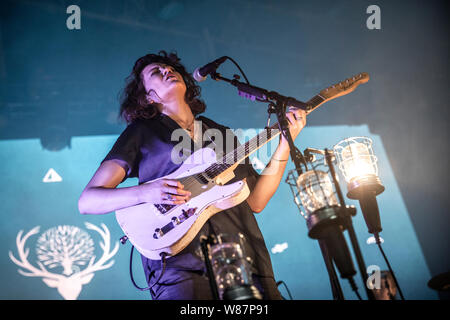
(200, 74)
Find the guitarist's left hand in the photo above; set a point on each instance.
(297, 121)
(270, 178)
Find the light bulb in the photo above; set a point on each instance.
(357, 161)
(358, 165)
(316, 191)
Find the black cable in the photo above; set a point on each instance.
(287, 289)
(354, 287)
(242, 72)
(131, 272)
(163, 262)
(377, 239)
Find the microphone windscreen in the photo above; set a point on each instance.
(197, 76)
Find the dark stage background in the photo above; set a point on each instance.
(58, 84)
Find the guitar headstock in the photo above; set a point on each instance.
(344, 87)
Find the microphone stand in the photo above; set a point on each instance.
(278, 105)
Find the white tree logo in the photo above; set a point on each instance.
(68, 247)
(65, 246)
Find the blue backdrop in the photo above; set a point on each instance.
(29, 202)
(58, 118)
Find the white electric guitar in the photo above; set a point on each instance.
(156, 228)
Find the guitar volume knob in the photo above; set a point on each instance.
(158, 233)
(175, 220)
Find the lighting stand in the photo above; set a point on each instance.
(204, 242)
(334, 281)
(279, 108)
(347, 219)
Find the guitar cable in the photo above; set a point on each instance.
(378, 241)
(354, 287)
(163, 267)
(287, 289)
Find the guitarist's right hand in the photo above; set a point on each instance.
(163, 191)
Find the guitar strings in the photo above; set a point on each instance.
(242, 151)
(239, 153)
(232, 157)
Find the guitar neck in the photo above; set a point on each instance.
(243, 151)
(314, 103)
(252, 145)
(246, 149)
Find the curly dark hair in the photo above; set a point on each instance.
(133, 101)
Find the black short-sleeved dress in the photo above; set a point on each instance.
(145, 148)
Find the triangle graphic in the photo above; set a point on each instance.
(52, 176)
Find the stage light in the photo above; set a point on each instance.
(319, 199)
(358, 165)
(231, 269)
(322, 213)
(316, 191)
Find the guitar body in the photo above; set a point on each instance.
(153, 231)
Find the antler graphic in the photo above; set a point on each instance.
(69, 287)
(23, 256)
(107, 254)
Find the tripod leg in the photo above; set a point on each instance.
(334, 281)
(212, 280)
